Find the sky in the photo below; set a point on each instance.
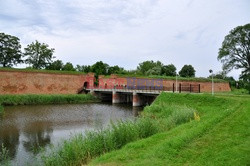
(128, 32)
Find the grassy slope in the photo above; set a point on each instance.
(42, 71)
(221, 137)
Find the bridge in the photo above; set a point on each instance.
(137, 95)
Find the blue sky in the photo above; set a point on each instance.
(127, 32)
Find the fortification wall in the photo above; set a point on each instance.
(20, 82)
(123, 82)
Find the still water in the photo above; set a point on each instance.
(24, 129)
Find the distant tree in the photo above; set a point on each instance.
(56, 65)
(39, 55)
(187, 71)
(168, 70)
(83, 68)
(68, 67)
(115, 70)
(147, 65)
(100, 68)
(10, 50)
(235, 52)
(154, 71)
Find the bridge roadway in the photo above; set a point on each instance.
(138, 97)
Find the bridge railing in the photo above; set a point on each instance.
(192, 88)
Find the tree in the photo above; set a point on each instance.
(147, 65)
(100, 68)
(68, 67)
(154, 71)
(39, 55)
(235, 50)
(168, 70)
(115, 70)
(187, 71)
(10, 50)
(56, 65)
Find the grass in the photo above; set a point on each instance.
(41, 71)
(220, 137)
(30, 99)
(81, 149)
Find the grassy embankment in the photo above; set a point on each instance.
(43, 99)
(81, 149)
(221, 137)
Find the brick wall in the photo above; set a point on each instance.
(204, 86)
(20, 82)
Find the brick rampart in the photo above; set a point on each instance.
(22, 82)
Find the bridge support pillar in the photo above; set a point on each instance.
(116, 97)
(137, 100)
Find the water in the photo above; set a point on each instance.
(26, 129)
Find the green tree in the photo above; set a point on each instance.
(147, 65)
(187, 71)
(100, 68)
(115, 70)
(56, 65)
(235, 50)
(39, 55)
(68, 67)
(154, 71)
(168, 70)
(10, 50)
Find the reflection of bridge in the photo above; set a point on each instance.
(138, 96)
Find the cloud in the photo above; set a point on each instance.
(127, 32)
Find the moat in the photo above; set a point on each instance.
(25, 130)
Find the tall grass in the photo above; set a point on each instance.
(81, 149)
(44, 99)
(4, 159)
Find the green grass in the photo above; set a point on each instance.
(42, 71)
(31, 99)
(81, 149)
(221, 137)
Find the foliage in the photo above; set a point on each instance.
(39, 55)
(44, 99)
(147, 65)
(168, 70)
(68, 67)
(235, 50)
(56, 65)
(115, 70)
(10, 50)
(187, 71)
(100, 68)
(154, 71)
(83, 68)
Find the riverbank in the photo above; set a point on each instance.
(32, 99)
(219, 137)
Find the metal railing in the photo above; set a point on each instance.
(192, 88)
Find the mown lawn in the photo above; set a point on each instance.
(220, 137)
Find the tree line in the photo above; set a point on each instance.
(234, 54)
(40, 56)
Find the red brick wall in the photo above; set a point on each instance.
(205, 86)
(19, 82)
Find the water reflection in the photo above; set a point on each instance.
(9, 137)
(37, 135)
(26, 129)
